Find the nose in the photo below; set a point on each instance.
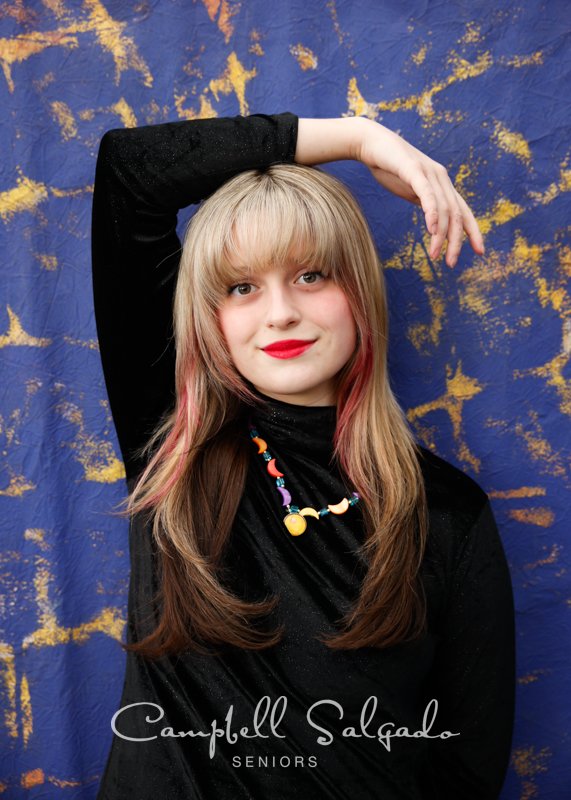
(282, 312)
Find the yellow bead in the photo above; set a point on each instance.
(309, 512)
(295, 524)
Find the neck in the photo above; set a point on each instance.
(306, 430)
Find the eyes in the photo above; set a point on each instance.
(244, 289)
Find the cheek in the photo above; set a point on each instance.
(231, 324)
(339, 315)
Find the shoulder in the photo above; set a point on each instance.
(456, 505)
(448, 487)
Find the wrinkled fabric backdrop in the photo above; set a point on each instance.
(480, 354)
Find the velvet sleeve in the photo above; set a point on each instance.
(144, 176)
(473, 674)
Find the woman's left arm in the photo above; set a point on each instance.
(472, 677)
(400, 168)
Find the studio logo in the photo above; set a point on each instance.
(267, 718)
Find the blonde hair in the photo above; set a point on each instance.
(197, 455)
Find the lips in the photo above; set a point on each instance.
(288, 348)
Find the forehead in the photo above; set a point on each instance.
(255, 247)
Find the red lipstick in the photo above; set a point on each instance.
(288, 348)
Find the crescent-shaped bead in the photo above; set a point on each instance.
(285, 494)
(340, 508)
(295, 524)
(273, 470)
(309, 512)
(261, 444)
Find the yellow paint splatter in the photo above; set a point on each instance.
(125, 113)
(420, 55)
(479, 293)
(71, 192)
(64, 117)
(205, 110)
(414, 254)
(422, 334)
(504, 211)
(358, 106)
(44, 82)
(48, 262)
(553, 372)
(17, 485)
(225, 11)
(342, 37)
(17, 11)
(50, 633)
(306, 58)
(461, 70)
(463, 175)
(21, 47)
(473, 33)
(26, 706)
(34, 777)
(17, 336)
(64, 784)
(523, 491)
(558, 187)
(542, 517)
(56, 7)
(479, 290)
(233, 79)
(539, 449)
(527, 764)
(121, 109)
(566, 339)
(256, 47)
(8, 680)
(108, 622)
(564, 258)
(535, 59)
(108, 32)
(532, 676)
(460, 388)
(511, 142)
(95, 456)
(110, 36)
(25, 196)
(37, 535)
(90, 344)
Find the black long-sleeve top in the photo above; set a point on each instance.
(465, 662)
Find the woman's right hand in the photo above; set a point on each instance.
(399, 167)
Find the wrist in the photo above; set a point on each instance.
(323, 140)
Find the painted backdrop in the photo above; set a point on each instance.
(480, 354)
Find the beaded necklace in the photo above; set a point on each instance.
(295, 520)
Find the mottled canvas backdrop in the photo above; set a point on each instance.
(480, 354)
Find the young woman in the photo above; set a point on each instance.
(317, 603)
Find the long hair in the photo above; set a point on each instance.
(197, 456)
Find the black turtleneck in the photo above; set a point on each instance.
(466, 660)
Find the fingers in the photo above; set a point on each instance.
(471, 227)
(450, 222)
(452, 219)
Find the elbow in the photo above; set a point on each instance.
(114, 148)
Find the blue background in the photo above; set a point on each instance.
(480, 354)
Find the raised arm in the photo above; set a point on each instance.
(143, 177)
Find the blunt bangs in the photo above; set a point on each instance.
(278, 220)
